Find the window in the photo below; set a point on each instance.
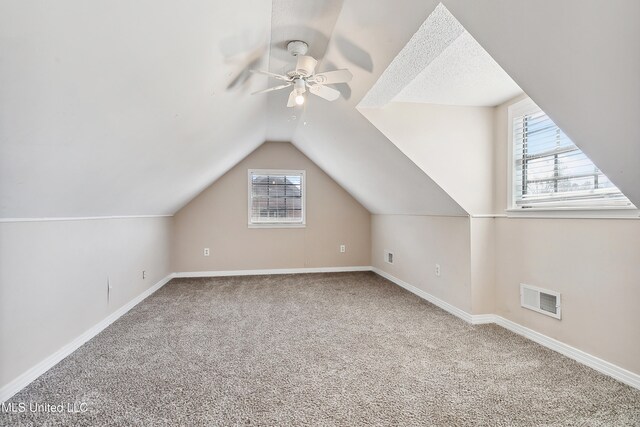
(549, 171)
(276, 198)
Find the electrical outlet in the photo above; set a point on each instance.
(144, 274)
(206, 252)
(438, 270)
(343, 248)
(388, 256)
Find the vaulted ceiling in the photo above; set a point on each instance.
(134, 107)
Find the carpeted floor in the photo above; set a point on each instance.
(319, 349)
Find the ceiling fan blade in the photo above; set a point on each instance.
(275, 76)
(292, 99)
(325, 92)
(273, 88)
(331, 77)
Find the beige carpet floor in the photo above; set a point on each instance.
(319, 349)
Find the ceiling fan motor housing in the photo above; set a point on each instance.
(305, 65)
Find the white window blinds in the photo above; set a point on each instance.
(550, 171)
(276, 197)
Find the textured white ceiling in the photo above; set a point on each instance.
(132, 108)
(442, 64)
(435, 34)
(463, 74)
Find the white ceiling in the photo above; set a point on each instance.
(442, 64)
(463, 74)
(434, 35)
(311, 21)
(122, 108)
(343, 142)
(132, 108)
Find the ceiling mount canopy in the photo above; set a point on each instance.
(297, 47)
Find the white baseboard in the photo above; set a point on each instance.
(587, 359)
(427, 296)
(598, 364)
(26, 378)
(271, 271)
(482, 319)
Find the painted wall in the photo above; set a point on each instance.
(361, 158)
(594, 263)
(53, 280)
(483, 264)
(418, 244)
(217, 219)
(452, 144)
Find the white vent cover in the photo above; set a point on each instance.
(540, 300)
(388, 256)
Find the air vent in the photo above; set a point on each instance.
(540, 300)
(388, 256)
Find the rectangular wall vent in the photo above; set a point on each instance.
(388, 256)
(540, 300)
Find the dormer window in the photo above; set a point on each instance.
(548, 171)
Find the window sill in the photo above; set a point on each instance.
(574, 213)
(276, 225)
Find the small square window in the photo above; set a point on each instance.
(277, 198)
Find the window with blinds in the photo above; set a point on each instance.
(276, 198)
(550, 171)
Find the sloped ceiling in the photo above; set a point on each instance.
(463, 74)
(579, 60)
(346, 145)
(446, 124)
(132, 108)
(124, 107)
(311, 21)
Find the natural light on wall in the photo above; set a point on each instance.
(549, 171)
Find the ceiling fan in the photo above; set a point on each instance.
(303, 77)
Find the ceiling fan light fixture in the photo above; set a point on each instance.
(304, 79)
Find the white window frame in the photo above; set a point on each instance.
(275, 224)
(586, 211)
